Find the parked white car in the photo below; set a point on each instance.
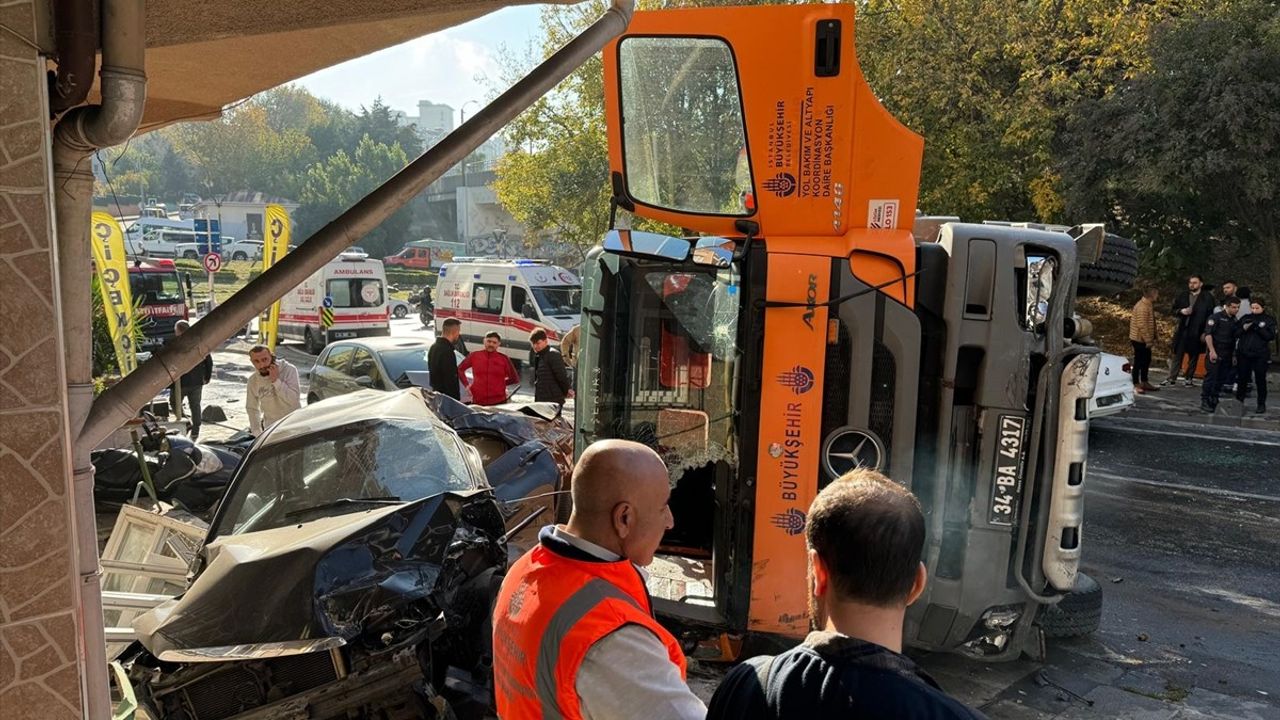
(232, 249)
(1114, 392)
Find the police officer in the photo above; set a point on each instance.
(1220, 334)
(1253, 352)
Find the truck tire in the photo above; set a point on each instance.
(1079, 612)
(1114, 271)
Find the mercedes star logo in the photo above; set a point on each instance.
(850, 448)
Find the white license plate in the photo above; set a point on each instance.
(341, 334)
(1006, 485)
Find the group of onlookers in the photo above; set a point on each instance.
(492, 372)
(1234, 334)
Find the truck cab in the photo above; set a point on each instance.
(157, 290)
(804, 332)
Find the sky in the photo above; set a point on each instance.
(442, 67)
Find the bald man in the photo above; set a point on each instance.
(573, 629)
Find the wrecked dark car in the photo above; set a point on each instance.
(352, 565)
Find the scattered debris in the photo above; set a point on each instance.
(1143, 637)
(1117, 579)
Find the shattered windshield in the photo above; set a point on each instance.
(558, 300)
(346, 469)
(663, 350)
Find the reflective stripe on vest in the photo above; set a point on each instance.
(573, 610)
(550, 612)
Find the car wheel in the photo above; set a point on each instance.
(190, 255)
(400, 312)
(312, 399)
(239, 256)
(1079, 612)
(1114, 271)
(311, 343)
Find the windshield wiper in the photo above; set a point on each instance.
(389, 500)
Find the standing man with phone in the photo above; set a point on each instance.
(273, 392)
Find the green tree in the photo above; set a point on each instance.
(1188, 149)
(379, 123)
(989, 85)
(555, 180)
(334, 185)
(243, 151)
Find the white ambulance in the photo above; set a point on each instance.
(355, 288)
(511, 297)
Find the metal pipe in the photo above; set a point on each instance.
(76, 136)
(76, 40)
(123, 401)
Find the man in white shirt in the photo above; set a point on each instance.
(273, 391)
(574, 632)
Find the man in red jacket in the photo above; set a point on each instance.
(491, 372)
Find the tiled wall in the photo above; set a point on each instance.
(39, 662)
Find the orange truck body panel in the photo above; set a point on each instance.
(834, 175)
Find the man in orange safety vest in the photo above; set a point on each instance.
(573, 629)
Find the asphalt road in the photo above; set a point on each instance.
(1182, 530)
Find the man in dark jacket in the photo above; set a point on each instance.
(1220, 333)
(1192, 309)
(865, 535)
(442, 363)
(1253, 353)
(192, 383)
(550, 379)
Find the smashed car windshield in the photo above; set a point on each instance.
(347, 469)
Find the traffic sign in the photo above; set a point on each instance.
(328, 301)
(208, 235)
(326, 317)
(213, 262)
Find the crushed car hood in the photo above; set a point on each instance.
(336, 577)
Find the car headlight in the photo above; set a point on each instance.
(1039, 290)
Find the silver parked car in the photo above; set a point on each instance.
(380, 363)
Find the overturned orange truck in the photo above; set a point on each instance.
(801, 331)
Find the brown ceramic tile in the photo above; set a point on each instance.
(29, 433)
(50, 466)
(28, 172)
(22, 490)
(9, 399)
(15, 239)
(38, 669)
(21, 300)
(36, 268)
(33, 211)
(35, 563)
(35, 375)
(8, 215)
(18, 90)
(20, 18)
